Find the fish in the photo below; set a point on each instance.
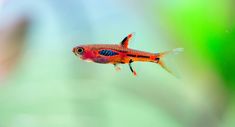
(121, 54)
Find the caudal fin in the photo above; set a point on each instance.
(174, 52)
(163, 54)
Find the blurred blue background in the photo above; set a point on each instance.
(43, 84)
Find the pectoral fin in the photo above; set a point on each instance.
(117, 68)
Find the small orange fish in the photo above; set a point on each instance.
(119, 54)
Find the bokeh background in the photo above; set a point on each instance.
(43, 84)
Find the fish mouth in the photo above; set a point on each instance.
(74, 51)
(78, 55)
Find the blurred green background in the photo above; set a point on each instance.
(43, 84)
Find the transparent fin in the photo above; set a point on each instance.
(117, 68)
(174, 52)
(163, 54)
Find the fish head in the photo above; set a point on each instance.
(84, 52)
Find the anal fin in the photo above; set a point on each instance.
(132, 70)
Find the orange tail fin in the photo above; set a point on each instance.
(161, 55)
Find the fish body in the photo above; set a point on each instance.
(114, 54)
(118, 54)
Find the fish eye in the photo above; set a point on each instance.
(80, 50)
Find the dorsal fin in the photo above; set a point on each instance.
(126, 40)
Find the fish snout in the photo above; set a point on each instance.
(74, 51)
